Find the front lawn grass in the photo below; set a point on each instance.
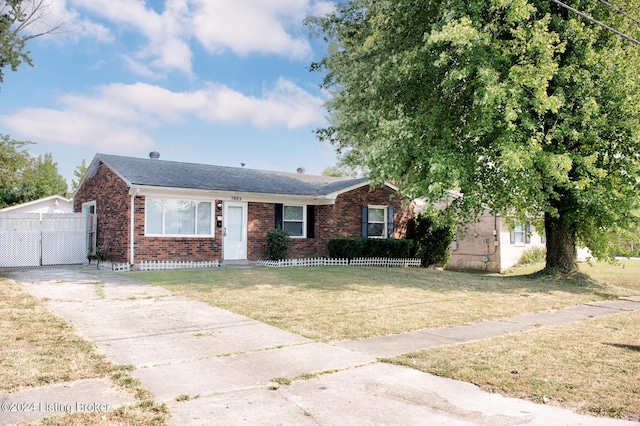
(591, 366)
(338, 303)
(37, 349)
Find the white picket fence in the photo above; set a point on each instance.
(322, 261)
(316, 261)
(167, 265)
(382, 261)
(121, 267)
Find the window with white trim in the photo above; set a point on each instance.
(293, 220)
(175, 217)
(377, 222)
(518, 234)
(521, 234)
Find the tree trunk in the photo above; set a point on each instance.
(561, 244)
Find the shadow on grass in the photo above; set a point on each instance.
(635, 348)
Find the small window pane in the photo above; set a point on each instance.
(376, 215)
(204, 218)
(375, 230)
(293, 213)
(180, 217)
(154, 216)
(293, 228)
(519, 234)
(188, 217)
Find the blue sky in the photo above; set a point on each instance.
(209, 81)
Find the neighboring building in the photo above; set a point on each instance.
(491, 244)
(51, 204)
(196, 212)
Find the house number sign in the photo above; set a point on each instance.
(236, 198)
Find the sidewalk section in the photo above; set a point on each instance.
(398, 344)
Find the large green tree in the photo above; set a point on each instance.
(41, 179)
(20, 21)
(521, 105)
(24, 178)
(13, 159)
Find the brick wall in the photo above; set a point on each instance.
(342, 219)
(112, 209)
(347, 212)
(261, 219)
(194, 249)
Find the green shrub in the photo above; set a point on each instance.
(433, 238)
(533, 255)
(352, 247)
(278, 243)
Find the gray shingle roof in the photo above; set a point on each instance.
(172, 174)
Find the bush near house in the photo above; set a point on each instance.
(278, 243)
(533, 256)
(352, 247)
(433, 238)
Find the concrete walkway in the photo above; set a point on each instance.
(224, 362)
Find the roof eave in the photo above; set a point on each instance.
(336, 194)
(315, 199)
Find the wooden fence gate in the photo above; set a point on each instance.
(34, 239)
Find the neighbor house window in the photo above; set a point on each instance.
(293, 220)
(518, 234)
(521, 234)
(172, 217)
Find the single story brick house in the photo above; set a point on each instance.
(149, 209)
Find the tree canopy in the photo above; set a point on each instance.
(79, 173)
(20, 21)
(24, 178)
(522, 106)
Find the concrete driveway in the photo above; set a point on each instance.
(225, 362)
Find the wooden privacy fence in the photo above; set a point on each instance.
(34, 239)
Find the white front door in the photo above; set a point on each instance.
(234, 231)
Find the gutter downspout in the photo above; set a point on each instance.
(132, 227)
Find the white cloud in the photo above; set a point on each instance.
(285, 104)
(76, 128)
(116, 116)
(66, 23)
(242, 27)
(250, 26)
(322, 8)
(167, 34)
